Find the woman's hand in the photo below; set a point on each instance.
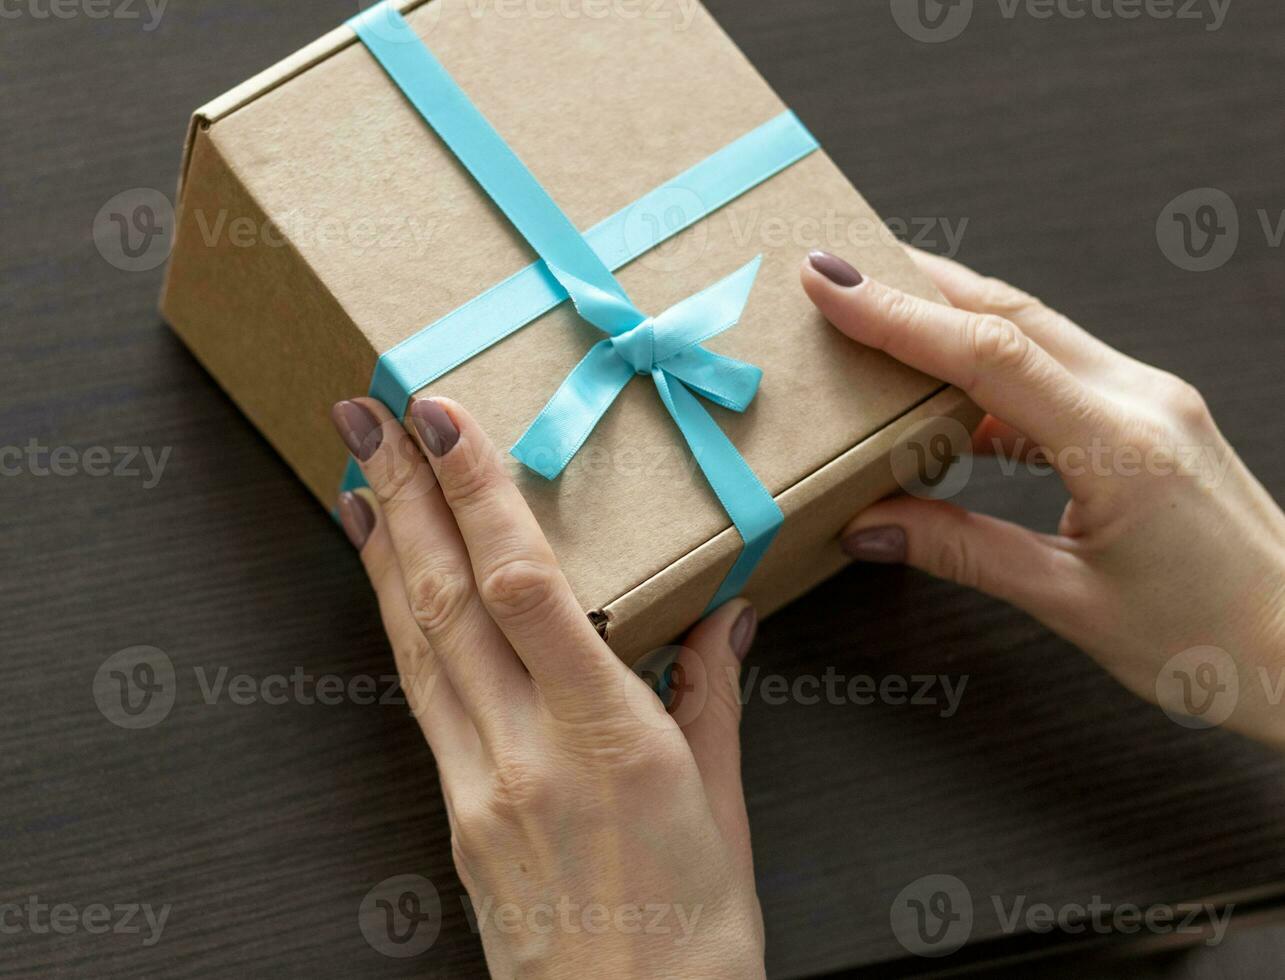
(1168, 547)
(595, 836)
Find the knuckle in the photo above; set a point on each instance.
(437, 598)
(1186, 403)
(518, 586)
(517, 788)
(398, 473)
(473, 831)
(468, 478)
(998, 345)
(894, 307)
(663, 758)
(394, 476)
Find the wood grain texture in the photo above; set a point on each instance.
(264, 825)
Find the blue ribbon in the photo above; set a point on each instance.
(666, 347)
(632, 231)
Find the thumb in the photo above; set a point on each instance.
(708, 706)
(1035, 572)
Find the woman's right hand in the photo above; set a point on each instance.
(1168, 566)
(597, 835)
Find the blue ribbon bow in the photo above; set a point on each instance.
(667, 346)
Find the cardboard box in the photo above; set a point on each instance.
(320, 222)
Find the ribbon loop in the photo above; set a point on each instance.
(705, 314)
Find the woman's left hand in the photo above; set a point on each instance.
(595, 836)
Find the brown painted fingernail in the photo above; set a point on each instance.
(358, 428)
(434, 426)
(839, 272)
(357, 518)
(886, 545)
(741, 634)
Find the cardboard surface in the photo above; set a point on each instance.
(321, 222)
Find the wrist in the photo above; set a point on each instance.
(726, 950)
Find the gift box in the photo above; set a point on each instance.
(598, 207)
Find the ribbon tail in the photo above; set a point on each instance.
(754, 513)
(723, 380)
(570, 415)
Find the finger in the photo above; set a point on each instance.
(1035, 572)
(711, 663)
(435, 570)
(986, 356)
(429, 692)
(517, 575)
(1059, 335)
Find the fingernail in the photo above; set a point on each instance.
(434, 426)
(834, 268)
(358, 428)
(356, 517)
(886, 545)
(742, 633)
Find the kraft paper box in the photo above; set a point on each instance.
(321, 221)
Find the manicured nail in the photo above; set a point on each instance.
(356, 517)
(886, 545)
(434, 426)
(358, 428)
(742, 633)
(834, 268)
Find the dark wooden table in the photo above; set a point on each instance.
(1057, 141)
